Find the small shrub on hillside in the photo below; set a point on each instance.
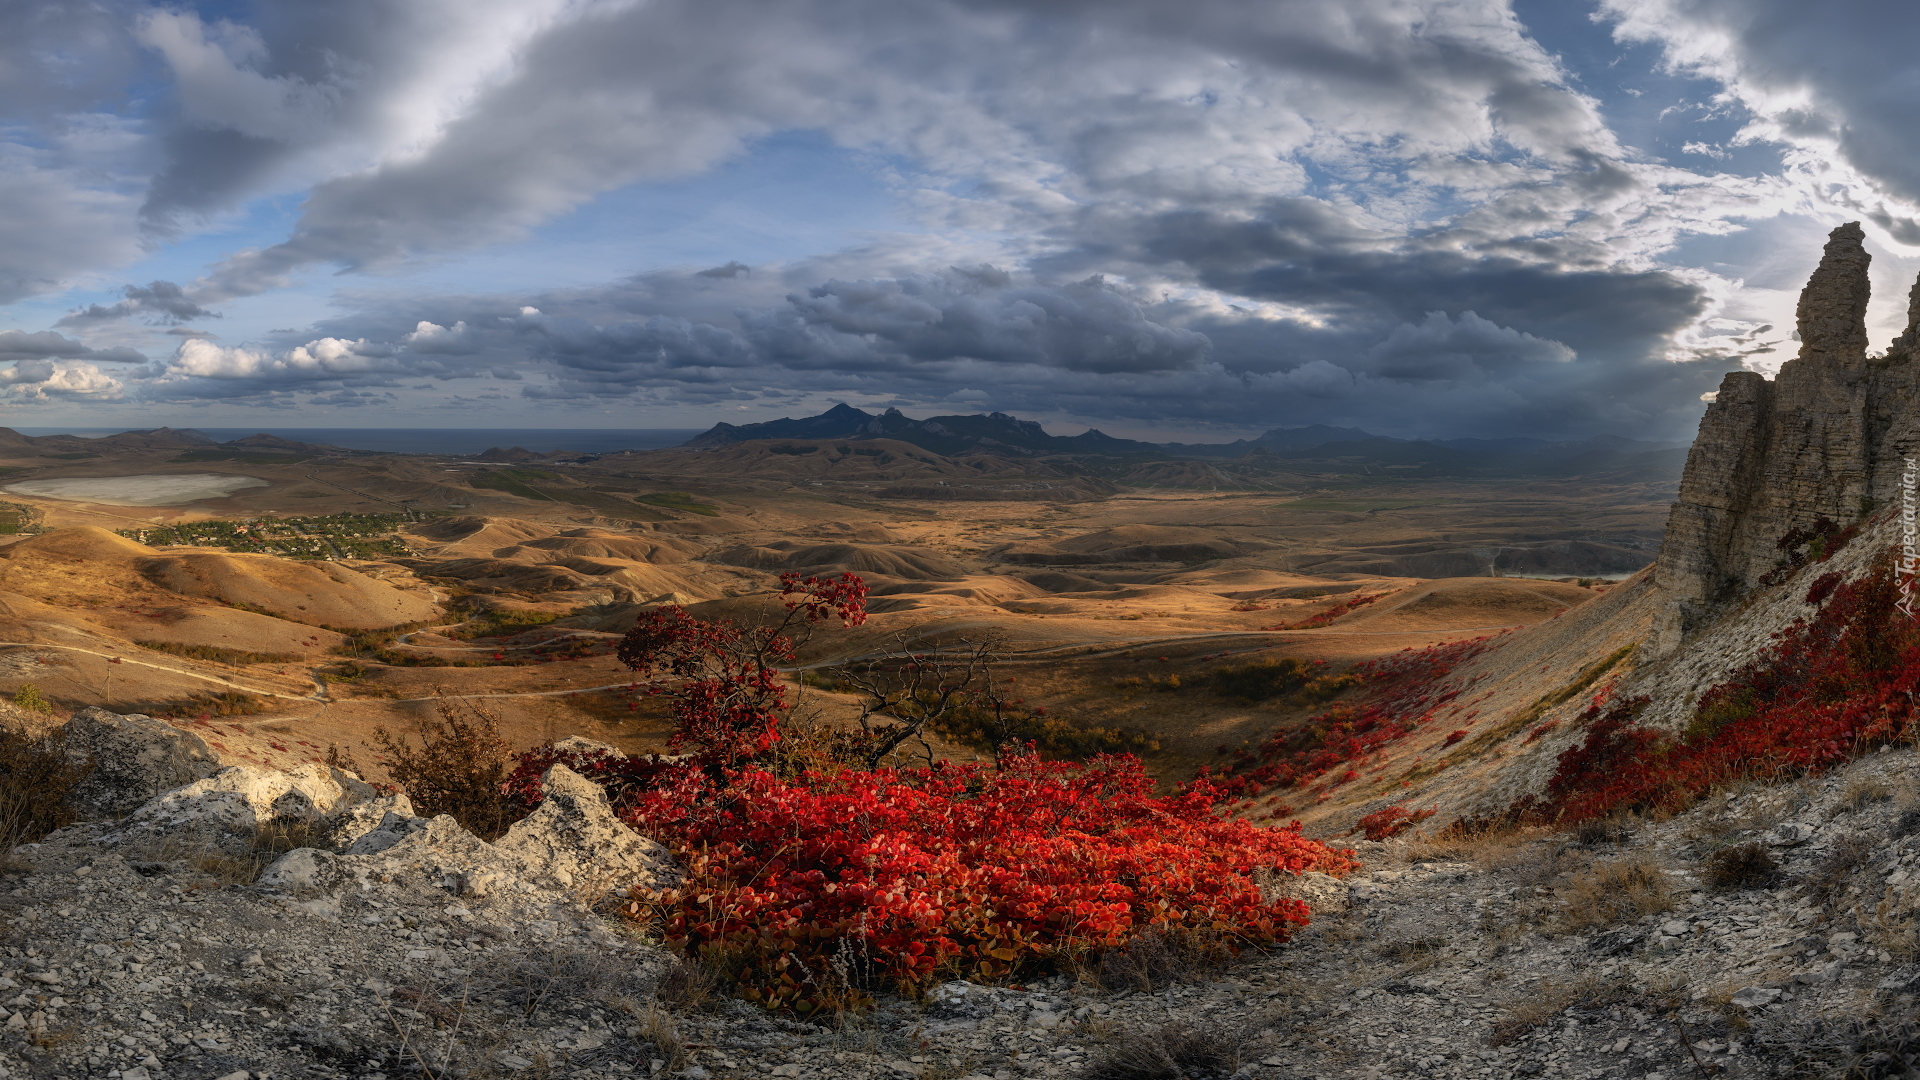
(30, 698)
(460, 768)
(36, 777)
(1742, 866)
(721, 679)
(1594, 832)
(1388, 822)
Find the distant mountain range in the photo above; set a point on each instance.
(999, 433)
(165, 438)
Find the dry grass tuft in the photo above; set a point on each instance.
(1742, 866)
(1864, 792)
(1179, 1050)
(687, 986)
(1550, 999)
(1494, 846)
(1609, 893)
(1895, 928)
(1829, 880)
(269, 841)
(1159, 959)
(1614, 830)
(1413, 954)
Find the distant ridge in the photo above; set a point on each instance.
(166, 437)
(990, 432)
(1000, 433)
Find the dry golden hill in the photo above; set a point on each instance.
(867, 461)
(600, 544)
(898, 562)
(474, 535)
(1464, 603)
(1131, 544)
(319, 594)
(865, 532)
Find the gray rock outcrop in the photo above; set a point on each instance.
(134, 759)
(1824, 439)
(572, 844)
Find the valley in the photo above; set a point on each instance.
(295, 597)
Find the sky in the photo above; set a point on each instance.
(1194, 220)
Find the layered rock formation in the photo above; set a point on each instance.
(1825, 439)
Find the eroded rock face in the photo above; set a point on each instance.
(1824, 439)
(135, 758)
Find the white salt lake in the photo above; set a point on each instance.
(166, 489)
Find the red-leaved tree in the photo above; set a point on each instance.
(722, 679)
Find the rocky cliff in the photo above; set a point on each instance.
(1825, 439)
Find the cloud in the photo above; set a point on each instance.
(43, 381)
(431, 338)
(46, 345)
(978, 337)
(166, 301)
(1402, 214)
(1832, 85)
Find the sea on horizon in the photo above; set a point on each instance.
(436, 440)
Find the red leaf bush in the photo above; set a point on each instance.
(1831, 687)
(1391, 821)
(814, 890)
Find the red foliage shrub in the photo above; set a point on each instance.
(1407, 691)
(1391, 821)
(1818, 543)
(1322, 618)
(623, 778)
(1454, 737)
(1830, 687)
(813, 890)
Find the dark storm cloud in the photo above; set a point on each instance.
(47, 345)
(163, 300)
(979, 337)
